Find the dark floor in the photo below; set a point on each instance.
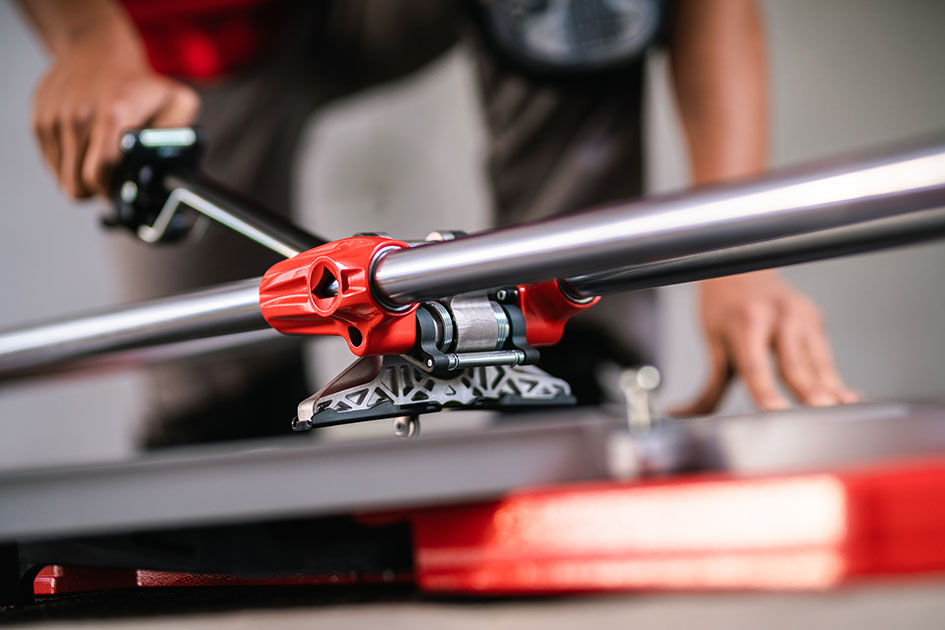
(909, 604)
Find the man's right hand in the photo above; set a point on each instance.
(99, 85)
(84, 103)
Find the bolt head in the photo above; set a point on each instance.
(128, 192)
(648, 377)
(128, 141)
(406, 426)
(298, 424)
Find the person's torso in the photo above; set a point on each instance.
(558, 142)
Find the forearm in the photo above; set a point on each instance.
(720, 76)
(64, 25)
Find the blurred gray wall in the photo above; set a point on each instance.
(52, 256)
(847, 74)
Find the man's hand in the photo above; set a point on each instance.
(99, 85)
(748, 317)
(85, 102)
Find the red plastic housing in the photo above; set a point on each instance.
(547, 309)
(327, 291)
(297, 296)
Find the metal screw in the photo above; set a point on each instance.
(648, 377)
(639, 389)
(145, 174)
(301, 425)
(128, 141)
(501, 294)
(443, 235)
(407, 426)
(429, 363)
(129, 192)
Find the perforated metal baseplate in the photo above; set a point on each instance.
(385, 387)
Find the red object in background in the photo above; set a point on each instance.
(811, 531)
(206, 39)
(806, 531)
(56, 579)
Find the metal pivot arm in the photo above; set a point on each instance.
(162, 197)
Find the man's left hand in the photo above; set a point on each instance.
(749, 317)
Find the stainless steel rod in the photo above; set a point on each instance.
(122, 337)
(826, 196)
(868, 236)
(253, 343)
(229, 308)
